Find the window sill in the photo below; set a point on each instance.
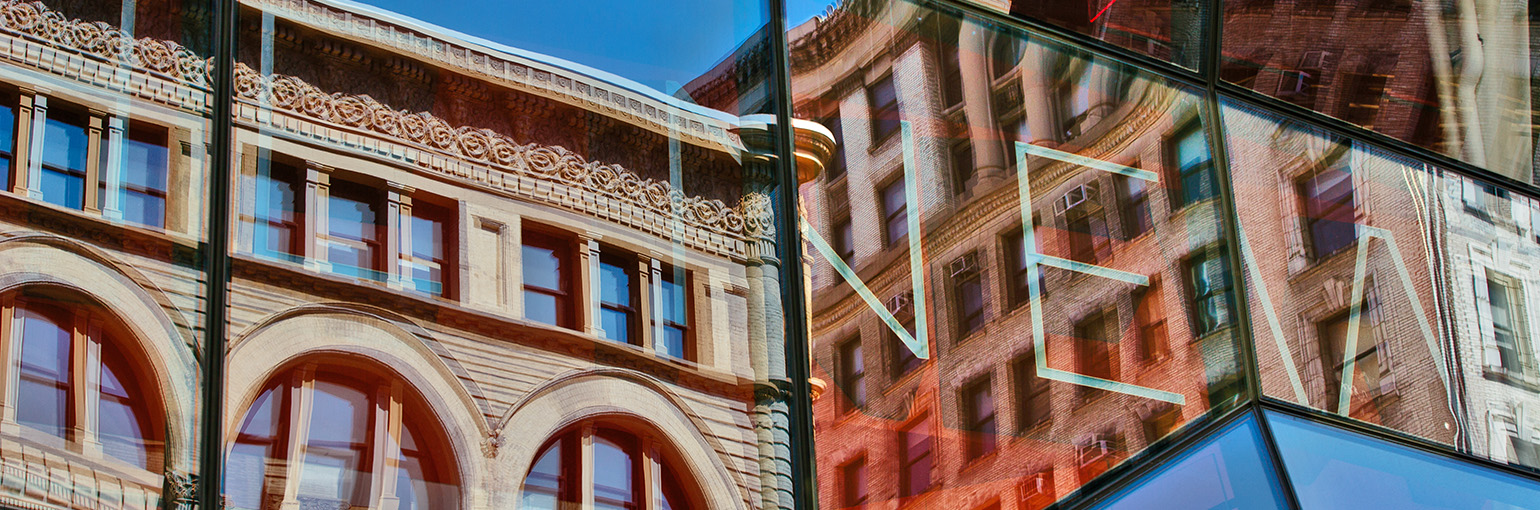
(57, 448)
(1501, 375)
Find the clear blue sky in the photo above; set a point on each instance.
(653, 42)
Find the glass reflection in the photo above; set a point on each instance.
(1055, 351)
(1332, 468)
(1454, 77)
(1227, 471)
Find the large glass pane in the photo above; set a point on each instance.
(1454, 77)
(104, 164)
(502, 226)
(1230, 470)
(1000, 362)
(1332, 468)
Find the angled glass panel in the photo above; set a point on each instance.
(1228, 471)
(1453, 77)
(1018, 275)
(1331, 468)
(1340, 246)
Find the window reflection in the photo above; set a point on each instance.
(618, 467)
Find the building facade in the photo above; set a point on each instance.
(764, 254)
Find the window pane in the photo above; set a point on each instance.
(1164, 29)
(44, 394)
(354, 231)
(613, 484)
(64, 160)
(1226, 471)
(1332, 468)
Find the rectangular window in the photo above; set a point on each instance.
(432, 247)
(962, 167)
(279, 218)
(882, 98)
(1032, 405)
(852, 372)
(548, 269)
(853, 484)
(617, 298)
(836, 167)
(64, 159)
(354, 230)
(895, 209)
(1011, 131)
(844, 239)
(1018, 263)
(904, 360)
(1134, 206)
(949, 57)
(1088, 239)
(7, 140)
(1328, 206)
(1362, 94)
(979, 410)
(1162, 421)
(1208, 277)
(1195, 167)
(675, 311)
(968, 288)
(916, 458)
(1333, 334)
(1150, 318)
(1095, 352)
(146, 167)
(1507, 310)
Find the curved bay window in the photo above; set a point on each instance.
(606, 467)
(76, 384)
(339, 437)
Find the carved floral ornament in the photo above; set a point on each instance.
(550, 163)
(35, 20)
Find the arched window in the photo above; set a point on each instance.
(76, 382)
(624, 470)
(339, 436)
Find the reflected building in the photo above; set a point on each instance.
(1136, 307)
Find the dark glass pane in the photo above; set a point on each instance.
(1332, 468)
(1165, 29)
(1228, 471)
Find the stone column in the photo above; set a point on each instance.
(988, 152)
(1037, 96)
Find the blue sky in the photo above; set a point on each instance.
(654, 42)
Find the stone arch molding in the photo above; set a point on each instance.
(394, 343)
(156, 325)
(580, 395)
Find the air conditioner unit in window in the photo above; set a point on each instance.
(965, 265)
(1292, 83)
(1037, 490)
(1077, 196)
(901, 303)
(1098, 450)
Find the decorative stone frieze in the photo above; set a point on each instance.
(101, 40)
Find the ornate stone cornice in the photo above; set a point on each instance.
(552, 164)
(831, 33)
(592, 90)
(103, 41)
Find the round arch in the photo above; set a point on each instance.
(586, 395)
(317, 330)
(155, 325)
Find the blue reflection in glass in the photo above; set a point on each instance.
(1332, 468)
(1226, 471)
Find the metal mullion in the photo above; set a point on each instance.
(1275, 456)
(1154, 456)
(789, 247)
(1292, 112)
(216, 256)
(1394, 437)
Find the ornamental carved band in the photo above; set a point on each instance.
(552, 163)
(101, 40)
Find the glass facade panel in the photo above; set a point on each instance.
(538, 254)
(522, 237)
(1333, 468)
(104, 148)
(1230, 470)
(991, 353)
(1455, 78)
